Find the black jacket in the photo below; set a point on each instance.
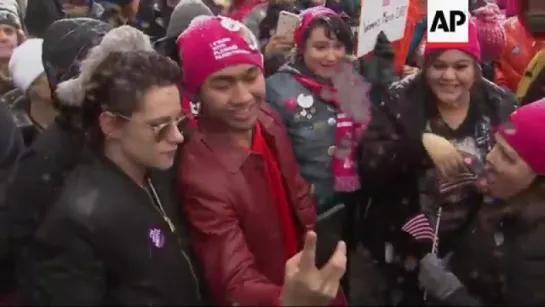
(525, 264)
(524, 269)
(11, 147)
(105, 242)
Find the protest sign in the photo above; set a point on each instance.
(389, 16)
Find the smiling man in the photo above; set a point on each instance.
(246, 203)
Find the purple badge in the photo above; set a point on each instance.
(157, 237)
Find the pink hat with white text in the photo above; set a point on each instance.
(212, 43)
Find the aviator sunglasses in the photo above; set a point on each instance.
(160, 130)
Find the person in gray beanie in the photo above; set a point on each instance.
(182, 15)
(11, 36)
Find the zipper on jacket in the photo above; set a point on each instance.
(159, 207)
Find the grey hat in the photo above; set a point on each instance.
(182, 15)
(9, 13)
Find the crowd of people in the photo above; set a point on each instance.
(181, 152)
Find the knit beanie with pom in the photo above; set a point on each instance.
(9, 13)
(490, 31)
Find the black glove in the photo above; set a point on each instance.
(379, 68)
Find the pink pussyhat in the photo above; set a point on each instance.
(306, 17)
(488, 21)
(472, 47)
(526, 134)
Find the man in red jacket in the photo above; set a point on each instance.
(247, 206)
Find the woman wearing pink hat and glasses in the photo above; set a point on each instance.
(516, 178)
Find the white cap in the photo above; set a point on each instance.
(25, 64)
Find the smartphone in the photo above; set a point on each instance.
(329, 228)
(287, 22)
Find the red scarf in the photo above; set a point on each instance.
(347, 135)
(278, 191)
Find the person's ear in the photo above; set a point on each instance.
(109, 125)
(21, 37)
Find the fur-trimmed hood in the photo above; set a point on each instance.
(123, 39)
(66, 43)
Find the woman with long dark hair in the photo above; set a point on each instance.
(418, 139)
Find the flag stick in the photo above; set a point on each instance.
(435, 238)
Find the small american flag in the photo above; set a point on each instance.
(419, 228)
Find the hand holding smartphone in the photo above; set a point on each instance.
(287, 22)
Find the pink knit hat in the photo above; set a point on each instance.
(306, 17)
(526, 134)
(472, 47)
(488, 21)
(212, 43)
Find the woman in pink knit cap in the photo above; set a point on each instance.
(418, 139)
(516, 178)
(488, 20)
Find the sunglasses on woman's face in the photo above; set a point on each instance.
(161, 130)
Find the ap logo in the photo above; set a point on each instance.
(448, 22)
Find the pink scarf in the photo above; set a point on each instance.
(347, 134)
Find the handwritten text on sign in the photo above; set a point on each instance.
(389, 16)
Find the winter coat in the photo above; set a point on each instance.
(105, 242)
(11, 140)
(11, 148)
(313, 135)
(150, 20)
(19, 105)
(234, 223)
(44, 166)
(524, 264)
(392, 158)
(520, 48)
(35, 186)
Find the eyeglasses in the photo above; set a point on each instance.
(160, 130)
